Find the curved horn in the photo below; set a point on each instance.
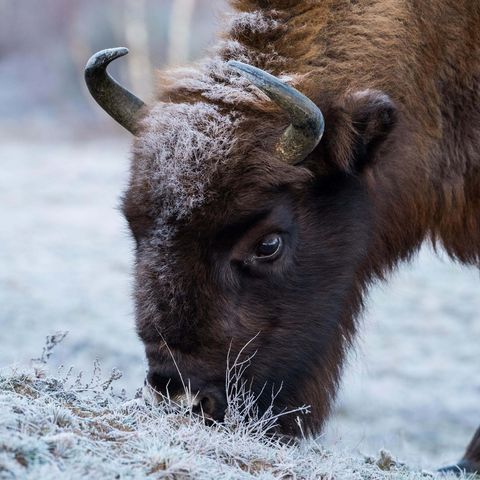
(307, 122)
(118, 102)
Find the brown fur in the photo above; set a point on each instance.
(398, 82)
(425, 56)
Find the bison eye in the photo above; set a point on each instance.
(269, 248)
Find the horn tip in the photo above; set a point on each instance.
(239, 66)
(233, 63)
(104, 57)
(255, 75)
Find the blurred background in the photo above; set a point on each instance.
(413, 384)
(44, 45)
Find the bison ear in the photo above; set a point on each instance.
(357, 128)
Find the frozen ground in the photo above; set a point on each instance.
(63, 426)
(65, 258)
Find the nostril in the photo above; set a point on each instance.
(208, 405)
(204, 405)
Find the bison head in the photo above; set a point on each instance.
(252, 238)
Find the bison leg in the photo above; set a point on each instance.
(470, 463)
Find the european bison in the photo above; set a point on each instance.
(261, 214)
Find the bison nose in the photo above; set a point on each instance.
(211, 405)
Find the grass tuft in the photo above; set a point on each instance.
(57, 425)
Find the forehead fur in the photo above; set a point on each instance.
(180, 149)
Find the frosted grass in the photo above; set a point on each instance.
(61, 425)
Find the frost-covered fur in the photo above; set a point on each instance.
(182, 146)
